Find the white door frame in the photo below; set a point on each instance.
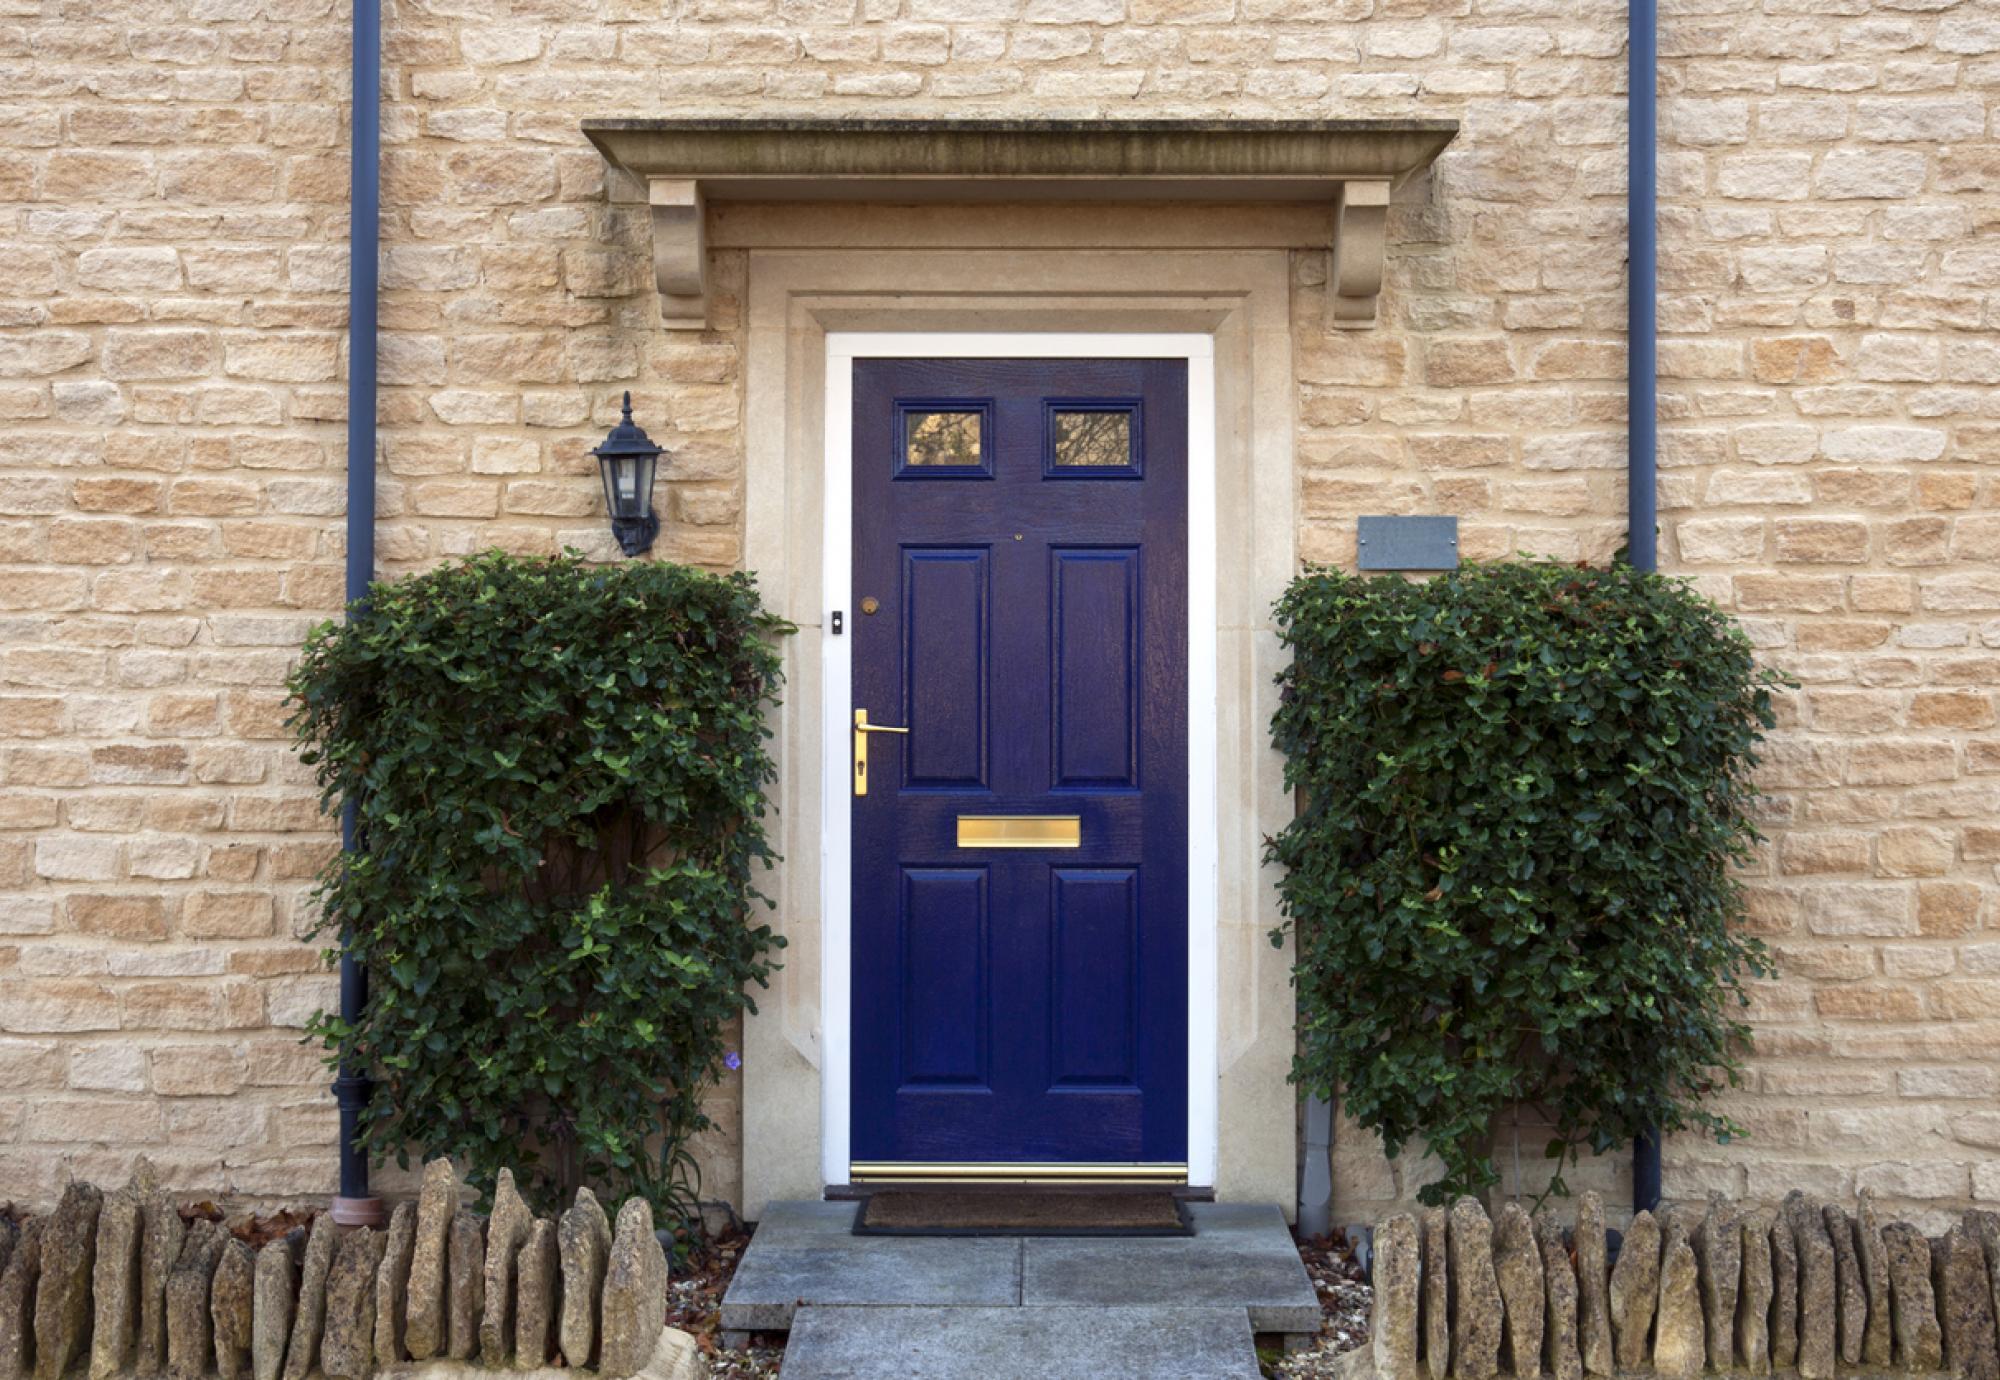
(842, 349)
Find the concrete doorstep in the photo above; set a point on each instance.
(1036, 1308)
(1028, 1343)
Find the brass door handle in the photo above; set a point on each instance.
(862, 728)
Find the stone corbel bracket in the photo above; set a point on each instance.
(680, 251)
(1351, 164)
(1360, 250)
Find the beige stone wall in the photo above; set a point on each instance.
(172, 269)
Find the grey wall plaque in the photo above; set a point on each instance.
(1408, 543)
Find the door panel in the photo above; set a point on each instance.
(1094, 968)
(945, 1016)
(1021, 528)
(947, 596)
(1094, 666)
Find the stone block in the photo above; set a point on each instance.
(425, 1328)
(635, 1293)
(114, 1283)
(537, 1296)
(347, 1346)
(392, 1283)
(1436, 1295)
(17, 1301)
(1918, 1339)
(163, 1234)
(275, 1301)
(1680, 1334)
(1635, 1290)
(231, 1305)
(1593, 1298)
(1561, 1357)
(62, 1297)
(506, 1232)
(1477, 1310)
(302, 1350)
(465, 1285)
(1965, 1305)
(583, 1239)
(190, 1328)
(1395, 1271)
(1523, 1285)
(1754, 1297)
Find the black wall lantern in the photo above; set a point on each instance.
(627, 459)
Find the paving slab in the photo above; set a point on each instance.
(805, 1253)
(1241, 1255)
(1150, 1343)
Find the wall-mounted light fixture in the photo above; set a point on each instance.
(628, 459)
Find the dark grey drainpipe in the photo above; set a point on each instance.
(1642, 384)
(1641, 499)
(355, 1206)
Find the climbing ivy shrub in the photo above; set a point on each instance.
(1523, 791)
(557, 774)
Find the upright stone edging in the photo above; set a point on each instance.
(1718, 1251)
(1561, 1356)
(1436, 1297)
(232, 1294)
(1517, 1265)
(120, 1287)
(62, 1298)
(309, 1316)
(506, 1232)
(537, 1296)
(1818, 1318)
(190, 1328)
(1635, 1290)
(1593, 1296)
(1872, 1256)
(425, 1328)
(1913, 1315)
(1965, 1305)
(1680, 1336)
(163, 1234)
(1784, 1293)
(17, 1301)
(1805, 1288)
(1754, 1292)
(114, 1279)
(276, 1292)
(347, 1346)
(1397, 1267)
(635, 1294)
(392, 1284)
(465, 1285)
(583, 1243)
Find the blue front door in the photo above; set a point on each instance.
(1020, 855)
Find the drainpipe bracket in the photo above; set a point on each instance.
(1360, 249)
(680, 251)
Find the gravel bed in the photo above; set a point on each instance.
(694, 1304)
(1344, 1303)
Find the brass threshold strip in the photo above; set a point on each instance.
(1003, 1172)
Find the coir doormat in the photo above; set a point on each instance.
(949, 1212)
